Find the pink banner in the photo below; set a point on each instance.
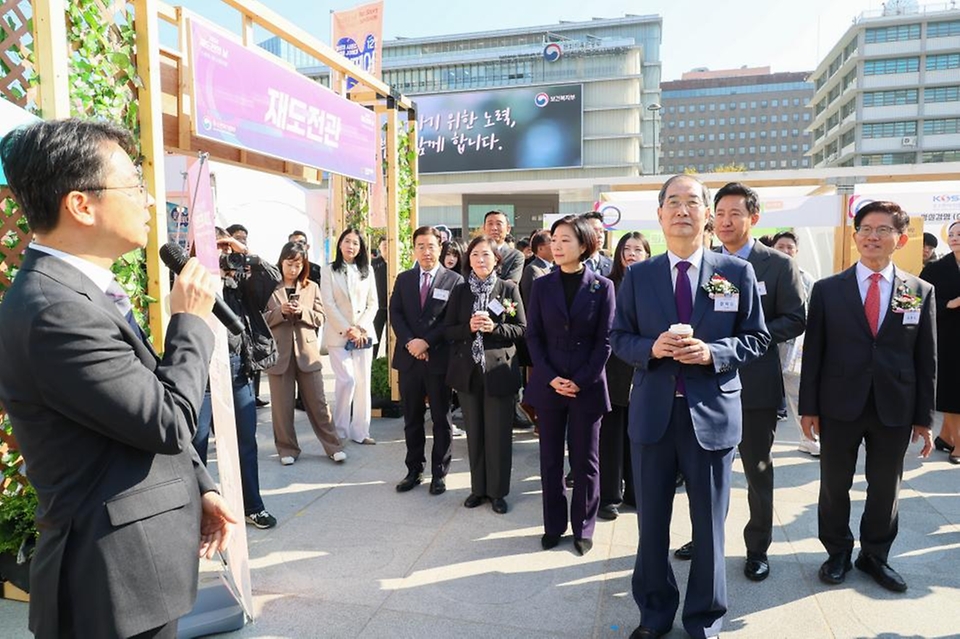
(243, 98)
(204, 239)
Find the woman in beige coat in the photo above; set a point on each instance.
(350, 299)
(294, 315)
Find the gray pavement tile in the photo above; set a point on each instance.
(297, 617)
(395, 624)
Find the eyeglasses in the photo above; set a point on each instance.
(690, 205)
(881, 231)
(141, 188)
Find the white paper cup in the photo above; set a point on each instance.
(681, 330)
(487, 314)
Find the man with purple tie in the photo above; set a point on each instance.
(686, 321)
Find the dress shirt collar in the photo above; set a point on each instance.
(432, 272)
(696, 260)
(100, 276)
(864, 273)
(743, 252)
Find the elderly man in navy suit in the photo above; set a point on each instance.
(417, 308)
(686, 321)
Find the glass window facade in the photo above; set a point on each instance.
(940, 127)
(895, 33)
(943, 62)
(890, 129)
(890, 98)
(941, 94)
(891, 65)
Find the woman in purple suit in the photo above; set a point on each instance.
(568, 335)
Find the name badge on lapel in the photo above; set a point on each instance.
(441, 294)
(726, 303)
(911, 318)
(496, 307)
(762, 287)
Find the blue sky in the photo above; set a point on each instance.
(719, 34)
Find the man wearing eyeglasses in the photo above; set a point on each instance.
(103, 424)
(686, 321)
(868, 372)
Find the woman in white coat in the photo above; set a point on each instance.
(349, 296)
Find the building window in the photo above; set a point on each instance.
(682, 138)
(682, 109)
(723, 106)
(743, 120)
(743, 135)
(890, 98)
(763, 149)
(712, 122)
(794, 132)
(690, 123)
(753, 135)
(793, 163)
(885, 159)
(763, 164)
(941, 94)
(773, 133)
(753, 104)
(753, 150)
(721, 151)
(743, 105)
(774, 119)
(891, 65)
(796, 102)
(723, 122)
(943, 62)
(783, 148)
(943, 29)
(723, 136)
(806, 117)
(711, 137)
(776, 103)
(941, 156)
(702, 122)
(890, 129)
(892, 34)
(940, 127)
(752, 165)
(682, 124)
(753, 119)
(702, 137)
(713, 107)
(763, 104)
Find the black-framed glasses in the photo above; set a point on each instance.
(881, 231)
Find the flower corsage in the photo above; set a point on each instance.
(904, 300)
(510, 307)
(595, 286)
(719, 286)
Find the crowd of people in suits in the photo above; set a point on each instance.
(106, 430)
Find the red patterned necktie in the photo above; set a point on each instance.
(872, 304)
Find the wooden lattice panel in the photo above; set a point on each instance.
(17, 74)
(13, 241)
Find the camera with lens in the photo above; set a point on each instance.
(237, 261)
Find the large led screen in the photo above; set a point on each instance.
(526, 128)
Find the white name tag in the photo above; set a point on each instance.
(441, 294)
(762, 287)
(911, 317)
(726, 303)
(496, 307)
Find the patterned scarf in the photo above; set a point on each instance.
(481, 290)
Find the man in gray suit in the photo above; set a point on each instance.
(539, 265)
(103, 424)
(598, 262)
(736, 212)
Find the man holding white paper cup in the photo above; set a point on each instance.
(686, 321)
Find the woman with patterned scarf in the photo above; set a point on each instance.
(485, 318)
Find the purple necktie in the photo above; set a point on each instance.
(424, 289)
(684, 300)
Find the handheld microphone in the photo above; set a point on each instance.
(176, 258)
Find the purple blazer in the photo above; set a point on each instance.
(574, 344)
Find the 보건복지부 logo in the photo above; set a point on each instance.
(541, 100)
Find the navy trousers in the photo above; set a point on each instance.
(707, 476)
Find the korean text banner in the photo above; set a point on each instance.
(525, 128)
(243, 99)
(357, 36)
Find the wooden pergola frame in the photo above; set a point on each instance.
(166, 124)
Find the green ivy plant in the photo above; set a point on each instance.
(104, 84)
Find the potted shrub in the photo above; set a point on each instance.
(380, 389)
(18, 506)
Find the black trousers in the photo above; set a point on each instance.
(616, 470)
(839, 447)
(416, 384)
(759, 430)
(488, 420)
(379, 321)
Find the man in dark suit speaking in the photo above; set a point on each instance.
(686, 321)
(868, 376)
(417, 309)
(103, 424)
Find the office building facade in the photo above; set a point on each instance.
(617, 63)
(889, 90)
(746, 117)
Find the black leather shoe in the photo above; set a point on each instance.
(408, 482)
(438, 486)
(939, 444)
(472, 501)
(642, 632)
(608, 512)
(679, 479)
(757, 567)
(568, 480)
(583, 546)
(549, 541)
(684, 552)
(834, 570)
(881, 572)
(499, 505)
(954, 459)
